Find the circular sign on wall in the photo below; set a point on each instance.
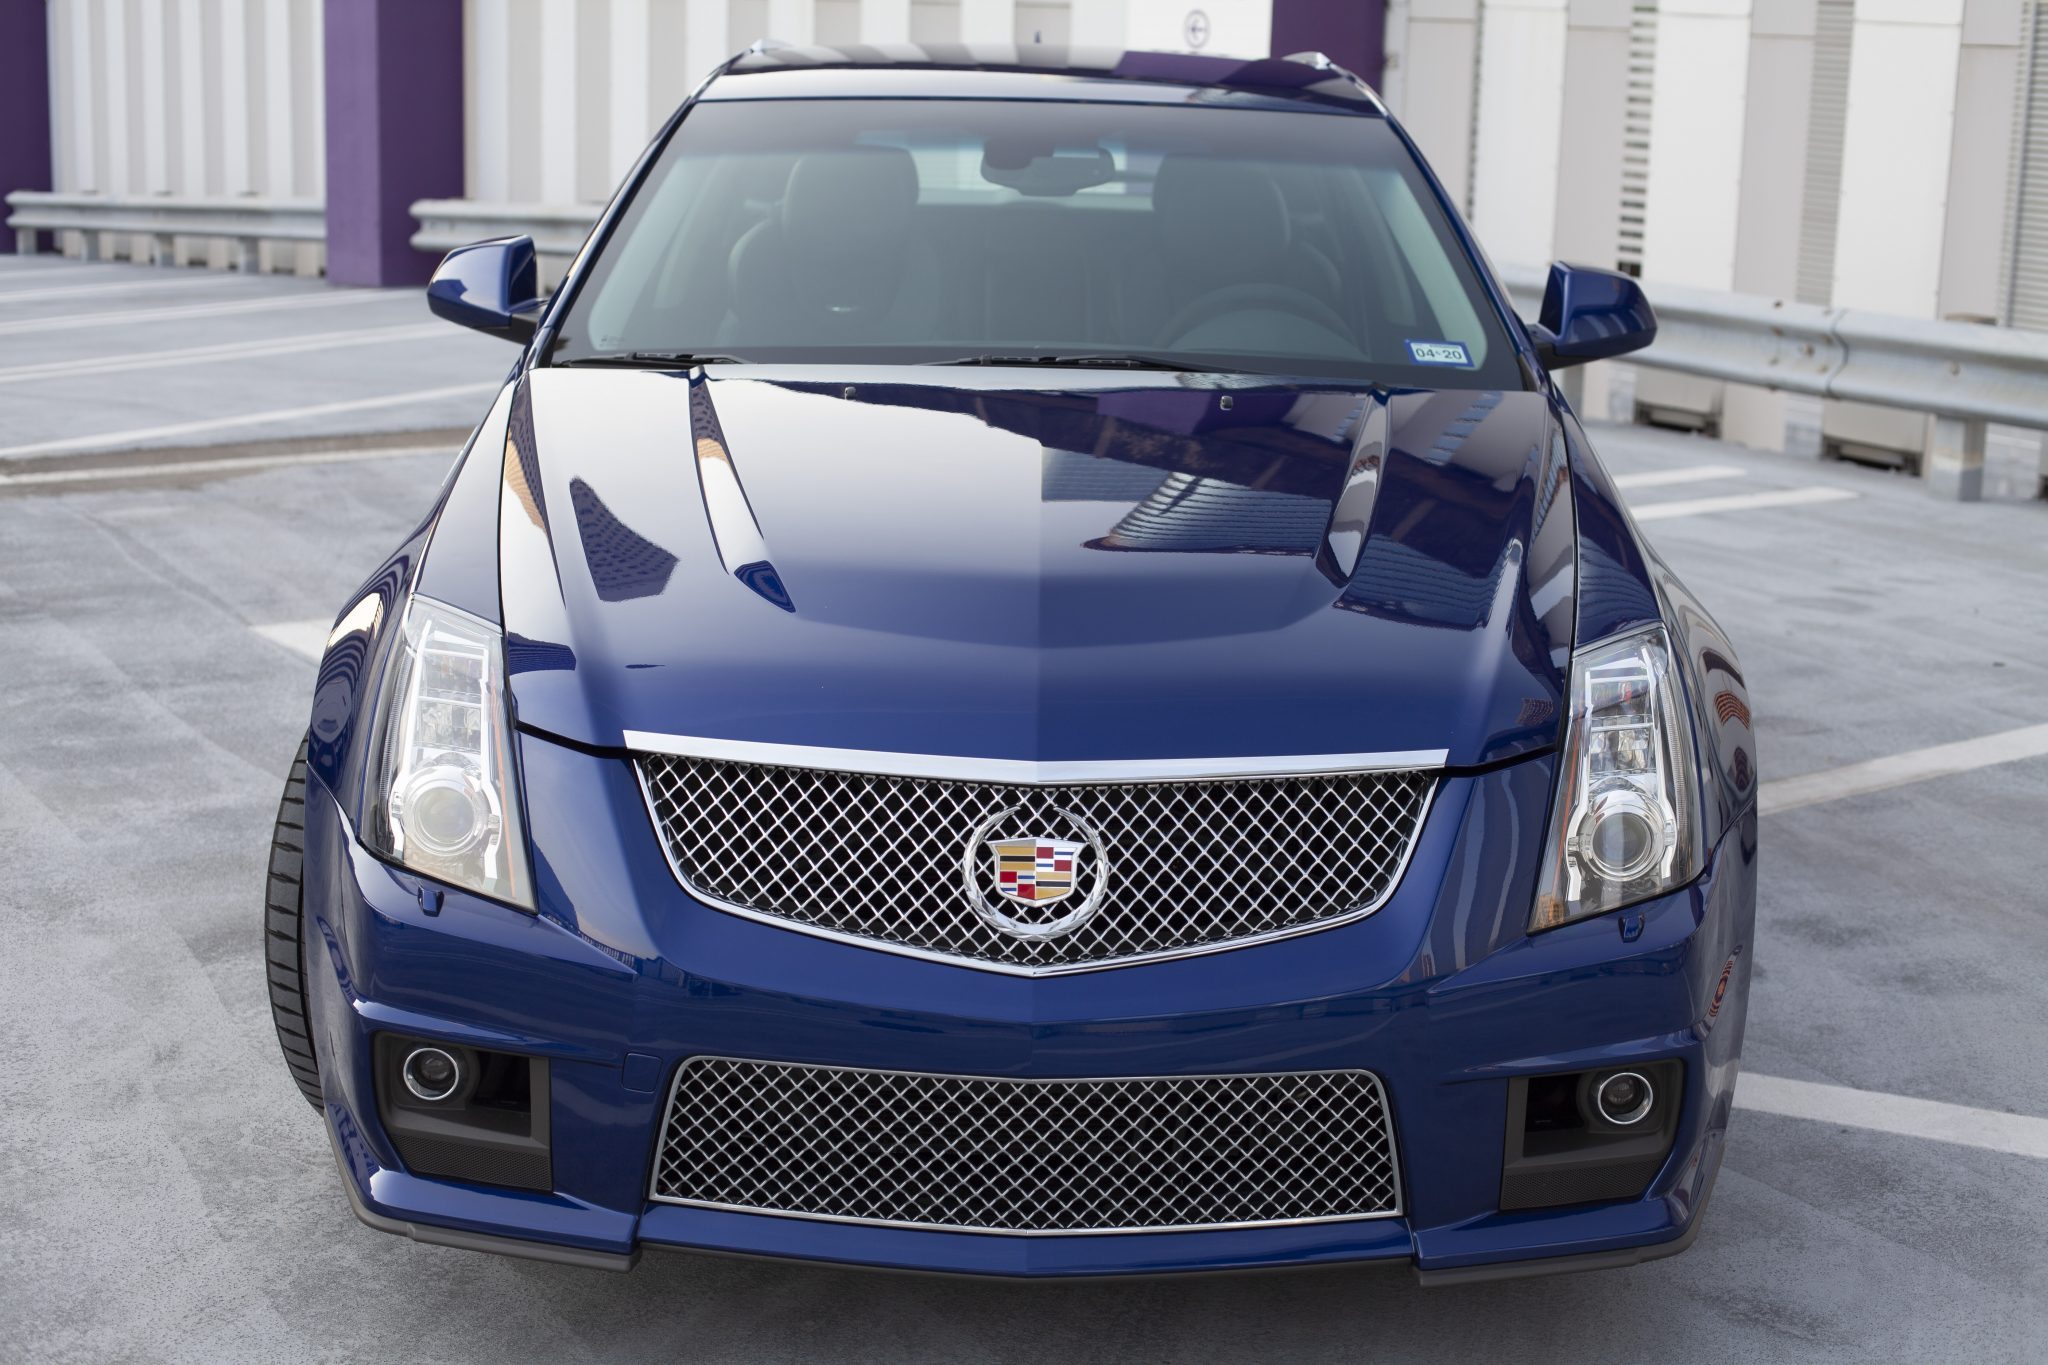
(1195, 28)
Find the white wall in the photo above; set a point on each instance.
(1515, 149)
(1696, 126)
(1235, 28)
(1436, 43)
(1895, 155)
(189, 98)
(1547, 151)
(610, 71)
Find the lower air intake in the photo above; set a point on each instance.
(910, 1149)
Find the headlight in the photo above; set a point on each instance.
(1625, 824)
(441, 798)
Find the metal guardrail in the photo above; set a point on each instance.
(245, 220)
(1963, 375)
(556, 229)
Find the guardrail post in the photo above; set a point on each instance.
(1955, 458)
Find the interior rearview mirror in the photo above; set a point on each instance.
(1590, 314)
(492, 286)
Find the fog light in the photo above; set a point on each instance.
(1624, 1098)
(430, 1073)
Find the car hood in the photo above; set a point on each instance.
(1094, 567)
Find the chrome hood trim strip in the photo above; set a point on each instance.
(1023, 772)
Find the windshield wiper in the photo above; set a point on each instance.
(1101, 359)
(653, 359)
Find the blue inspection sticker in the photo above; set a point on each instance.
(1440, 353)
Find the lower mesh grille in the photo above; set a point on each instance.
(1027, 1156)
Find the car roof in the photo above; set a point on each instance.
(1048, 71)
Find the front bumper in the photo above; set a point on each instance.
(622, 976)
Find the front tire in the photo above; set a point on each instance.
(284, 936)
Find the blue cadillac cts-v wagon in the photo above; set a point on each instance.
(1029, 675)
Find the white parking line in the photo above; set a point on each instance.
(1739, 502)
(139, 435)
(1990, 1129)
(234, 350)
(1896, 770)
(1661, 478)
(306, 638)
(129, 317)
(229, 465)
(76, 291)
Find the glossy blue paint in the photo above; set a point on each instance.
(1441, 992)
(491, 286)
(1088, 568)
(1006, 563)
(1590, 314)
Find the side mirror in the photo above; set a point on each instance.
(1590, 314)
(492, 286)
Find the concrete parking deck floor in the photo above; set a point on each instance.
(168, 1196)
(111, 356)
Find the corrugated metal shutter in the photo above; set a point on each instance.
(1822, 202)
(1635, 152)
(2027, 254)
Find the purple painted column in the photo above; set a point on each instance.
(24, 100)
(394, 131)
(1352, 33)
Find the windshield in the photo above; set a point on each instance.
(929, 231)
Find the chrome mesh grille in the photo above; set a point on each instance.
(1027, 1156)
(1188, 863)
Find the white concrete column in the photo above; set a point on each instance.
(81, 109)
(1699, 94)
(1515, 148)
(632, 57)
(193, 169)
(1895, 155)
(988, 21)
(1101, 23)
(1925, 158)
(279, 137)
(487, 62)
(1592, 122)
(1980, 160)
(884, 21)
(559, 85)
(707, 38)
(1440, 67)
(160, 115)
(1777, 116)
(1546, 175)
(792, 21)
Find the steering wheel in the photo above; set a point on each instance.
(1243, 298)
